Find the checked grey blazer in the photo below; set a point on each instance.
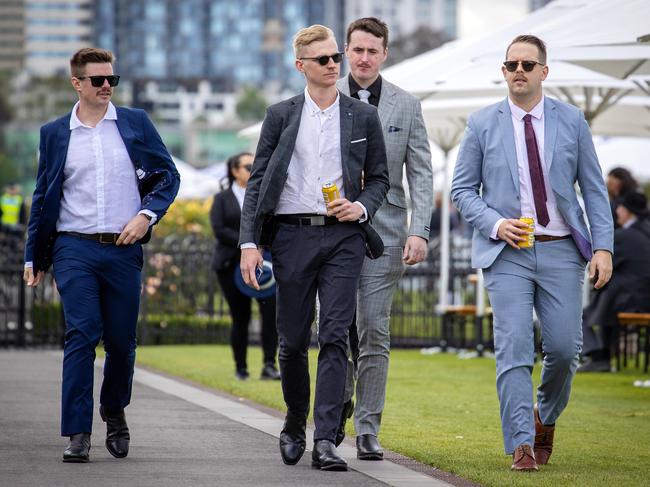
(407, 146)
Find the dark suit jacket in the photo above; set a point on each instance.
(158, 180)
(629, 288)
(365, 159)
(224, 218)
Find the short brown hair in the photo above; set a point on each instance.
(87, 55)
(371, 25)
(313, 33)
(530, 39)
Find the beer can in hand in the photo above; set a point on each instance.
(530, 236)
(330, 193)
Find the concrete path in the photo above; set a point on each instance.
(181, 434)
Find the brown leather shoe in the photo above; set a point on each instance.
(543, 440)
(523, 459)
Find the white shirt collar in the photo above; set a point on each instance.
(111, 114)
(537, 111)
(630, 222)
(314, 109)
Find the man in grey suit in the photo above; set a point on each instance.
(406, 147)
(318, 137)
(522, 157)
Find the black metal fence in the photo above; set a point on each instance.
(182, 303)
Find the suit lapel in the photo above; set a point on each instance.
(346, 115)
(126, 132)
(550, 132)
(233, 200)
(289, 135)
(508, 140)
(386, 103)
(62, 140)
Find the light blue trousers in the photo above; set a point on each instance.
(548, 278)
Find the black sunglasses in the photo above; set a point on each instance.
(527, 65)
(248, 167)
(98, 81)
(323, 60)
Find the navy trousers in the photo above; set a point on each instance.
(99, 286)
(306, 260)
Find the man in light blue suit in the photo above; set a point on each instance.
(522, 157)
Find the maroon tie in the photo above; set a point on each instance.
(536, 174)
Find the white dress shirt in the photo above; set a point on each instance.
(239, 193)
(100, 190)
(556, 226)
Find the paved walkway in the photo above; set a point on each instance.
(180, 435)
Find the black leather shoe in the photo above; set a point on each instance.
(348, 409)
(293, 439)
(241, 374)
(78, 448)
(117, 432)
(269, 372)
(368, 448)
(325, 457)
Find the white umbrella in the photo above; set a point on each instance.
(194, 183)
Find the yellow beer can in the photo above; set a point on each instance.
(330, 192)
(530, 240)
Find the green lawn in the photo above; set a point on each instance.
(443, 411)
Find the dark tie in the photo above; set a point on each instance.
(536, 174)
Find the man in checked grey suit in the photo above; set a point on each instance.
(317, 137)
(522, 157)
(406, 146)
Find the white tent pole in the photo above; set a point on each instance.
(443, 299)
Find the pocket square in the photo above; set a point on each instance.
(392, 128)
(358, 140)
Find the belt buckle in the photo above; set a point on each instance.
(109, 236)
(318, 220)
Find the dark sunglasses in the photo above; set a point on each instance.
(323, 60)
(527, 65)
(98, 81)
(248, 167)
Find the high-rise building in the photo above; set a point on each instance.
(54, 30)
(405, 16)
(12, 34)
(230, 42)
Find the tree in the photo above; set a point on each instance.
(251, 105)
(421, 40)
(6, 113)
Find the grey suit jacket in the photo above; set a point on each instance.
(407, 146)
(365, 172)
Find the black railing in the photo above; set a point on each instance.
(182, 303)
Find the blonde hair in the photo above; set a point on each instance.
(313, 33)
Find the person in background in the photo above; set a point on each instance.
(13, 215)
(522, 157)
(225, 216)
(104, 179)
(619, 182)
(629, 289)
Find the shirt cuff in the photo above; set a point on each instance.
(495, 229)
(149, 213)
(248, 245)
(365, 212)
(29, 265)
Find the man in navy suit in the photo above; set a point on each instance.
(104, 178)
(522, 157)
(317, 137)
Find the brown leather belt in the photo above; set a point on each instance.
(104, 238)
(550, 238)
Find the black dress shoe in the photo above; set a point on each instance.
(348, 409)
(325, 457)
(293, 439)
(78, 448)
(269, 372)
(241, 374)
(368, 448)
(117, 432)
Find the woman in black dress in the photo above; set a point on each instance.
(224, 217)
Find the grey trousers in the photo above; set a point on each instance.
(379, 278)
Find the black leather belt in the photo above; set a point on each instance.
(104, 238)
(550, 238)
(307, 220)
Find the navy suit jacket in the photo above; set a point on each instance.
(158, 180)
(365, 168)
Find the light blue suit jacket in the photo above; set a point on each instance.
(485, 186)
